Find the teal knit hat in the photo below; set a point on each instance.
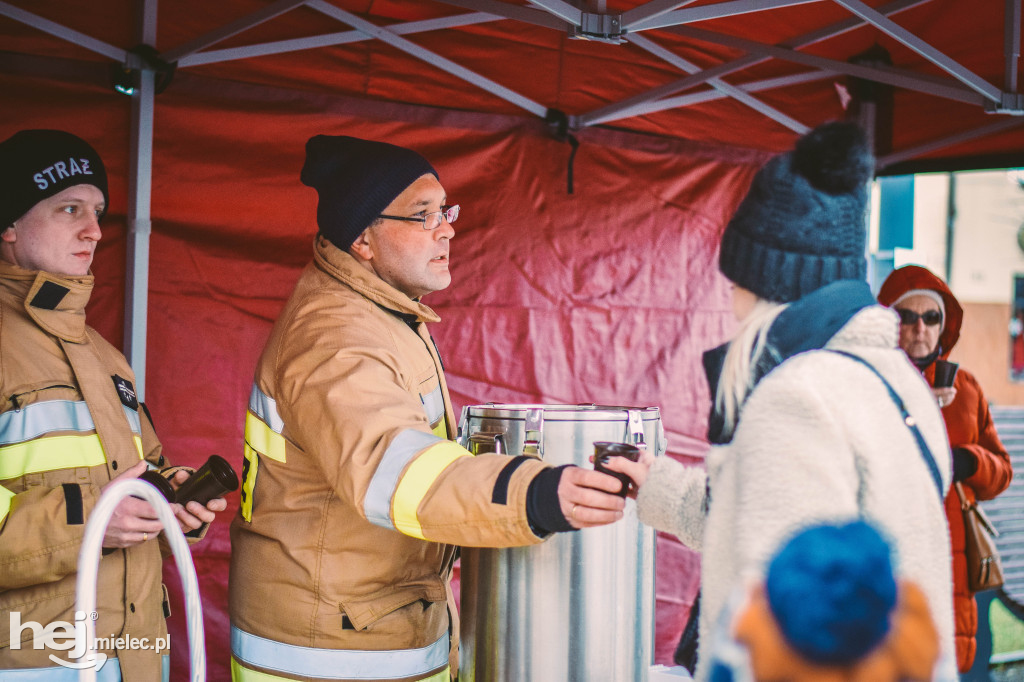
(802, 224)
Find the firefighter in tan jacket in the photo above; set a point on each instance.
(354, 495)
(70, 423)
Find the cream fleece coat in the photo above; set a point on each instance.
(819, 440)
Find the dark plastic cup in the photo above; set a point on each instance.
(214, 479)
(155, 479)
(604, 450)
(945, 373)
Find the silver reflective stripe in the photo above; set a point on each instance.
(133, 419)
(37, 419)
(403, 448)
(265, 407)
(110, 672)
(32, 421)
(337, 664)
(433, 405)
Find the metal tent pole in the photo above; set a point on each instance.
(140, 182)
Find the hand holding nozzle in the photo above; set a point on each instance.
(198, 496)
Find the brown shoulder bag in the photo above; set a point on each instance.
(984, 570)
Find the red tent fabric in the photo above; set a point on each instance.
(607, 295)
(604, 296)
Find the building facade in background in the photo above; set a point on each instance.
(968, 228)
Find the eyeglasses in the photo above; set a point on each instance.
(431, 221)
(909, 317)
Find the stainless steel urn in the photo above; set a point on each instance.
(580, 606)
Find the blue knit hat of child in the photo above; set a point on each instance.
(832, 592)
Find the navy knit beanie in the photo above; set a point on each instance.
(803, 223)
(37, 164)
(356, 180)
(832, 591)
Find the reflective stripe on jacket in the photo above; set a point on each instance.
(58, 447)
(353, 492)
(259, 653)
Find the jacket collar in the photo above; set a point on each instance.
(343, 267)
(55, 302)
(806, 324)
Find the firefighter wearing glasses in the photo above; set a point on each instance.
(354, 495)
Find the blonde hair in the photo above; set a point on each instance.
(746, 348)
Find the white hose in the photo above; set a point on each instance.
(89, 562)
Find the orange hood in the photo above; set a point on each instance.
(912, 277)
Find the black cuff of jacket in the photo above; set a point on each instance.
(543, 510)
(965, 464)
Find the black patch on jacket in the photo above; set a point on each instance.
(73, 504)
(49, 296)
(126, 392)
(500, 494)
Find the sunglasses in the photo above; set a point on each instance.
(909, 317)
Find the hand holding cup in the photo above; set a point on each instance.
(632, 472)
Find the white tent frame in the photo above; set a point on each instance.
(593, 23)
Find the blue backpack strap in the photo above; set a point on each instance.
(908, 419)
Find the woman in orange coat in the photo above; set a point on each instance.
(930, 319)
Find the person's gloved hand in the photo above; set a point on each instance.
(964, 464)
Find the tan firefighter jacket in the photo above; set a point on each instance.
(69, 422)
(354, 493)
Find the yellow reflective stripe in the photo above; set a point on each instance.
(138, 446)
(47, 454)
(417, 480)
(250, 465)
(240, 673)
(263, 439)
(5, 502)
(441, 430)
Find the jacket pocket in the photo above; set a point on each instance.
(361, 613)
(35, 392)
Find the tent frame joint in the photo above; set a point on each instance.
(138, 59)
(1011, 103)
(601, 27)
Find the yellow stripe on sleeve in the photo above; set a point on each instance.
(263, 439)
(417, 480)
